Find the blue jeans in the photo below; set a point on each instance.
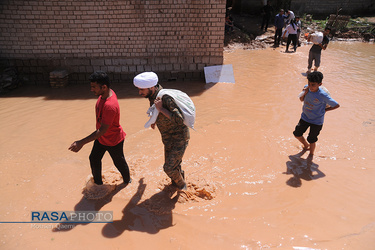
(117, 155)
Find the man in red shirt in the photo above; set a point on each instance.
(108, 135)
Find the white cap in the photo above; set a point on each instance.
(145, 80)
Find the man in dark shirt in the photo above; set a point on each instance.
(316, 51)
(279, 24)
(266, 13)
(170, 122)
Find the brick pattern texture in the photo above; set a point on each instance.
(174, 38)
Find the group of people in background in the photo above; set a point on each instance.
(316, 99)
(287, 25)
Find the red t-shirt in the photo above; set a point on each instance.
(108, 112)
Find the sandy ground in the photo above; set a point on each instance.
(247, 188)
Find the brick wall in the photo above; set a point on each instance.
(174, 38)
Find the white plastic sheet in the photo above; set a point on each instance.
(220, 73)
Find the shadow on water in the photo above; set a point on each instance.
(82, 91)
(88, 205)
(150, 216)
(303, 169)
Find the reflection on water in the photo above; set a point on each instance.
(234, 164)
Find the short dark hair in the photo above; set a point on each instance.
(315, 76)
(100, 78)
(328, 28)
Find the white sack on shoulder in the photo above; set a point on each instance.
(183, 101)
(316, 37)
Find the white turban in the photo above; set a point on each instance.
(146, 80)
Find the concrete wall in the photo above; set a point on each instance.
(326, 7)
(174, 38)
(252, 7)
(322, 8)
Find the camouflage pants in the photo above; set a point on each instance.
(174, 150)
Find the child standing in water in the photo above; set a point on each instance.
(315, 104)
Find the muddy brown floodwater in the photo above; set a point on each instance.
(242, 164)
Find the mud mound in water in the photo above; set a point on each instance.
(198, 189)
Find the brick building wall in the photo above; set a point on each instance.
(174, 38)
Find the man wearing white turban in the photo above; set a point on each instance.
(170, 122)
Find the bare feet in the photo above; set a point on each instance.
(309, 160)
(304, 147)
